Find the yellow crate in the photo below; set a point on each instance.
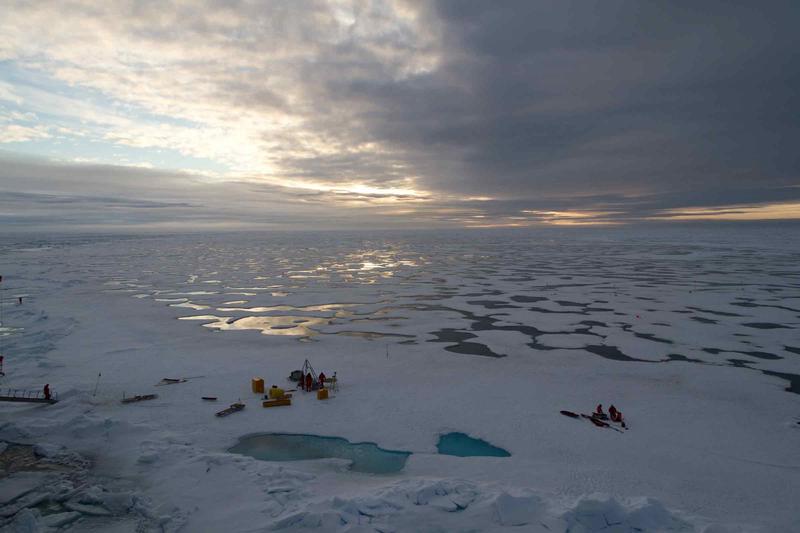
(277, 403)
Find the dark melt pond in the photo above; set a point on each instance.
(462, 445)
(363, 456)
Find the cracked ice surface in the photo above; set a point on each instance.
(693, 334)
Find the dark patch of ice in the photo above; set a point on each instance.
(704, 320)
(528, 299)
(612, 352)
(756, 354)
(712, 312)
(493, 304)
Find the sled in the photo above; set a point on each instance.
(600, 423)
(140, 398)
(171, 381)
(238, 406)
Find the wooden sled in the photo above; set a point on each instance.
(140, 398)
(171, 381)
(238, 406)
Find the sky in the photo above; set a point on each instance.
(380, 114)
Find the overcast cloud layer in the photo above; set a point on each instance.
(333, 114)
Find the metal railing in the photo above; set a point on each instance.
(22, 395)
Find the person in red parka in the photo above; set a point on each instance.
(309, 381)
(322, 380)
(47, 391)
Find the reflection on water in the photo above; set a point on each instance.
(205, 318)
(535, 295)
(273, 325)
(324, 307)
(190, 305)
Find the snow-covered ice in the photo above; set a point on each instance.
(692, 333)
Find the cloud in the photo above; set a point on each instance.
(548, 98)
(57, 195)
(550, 112)
(15, 133)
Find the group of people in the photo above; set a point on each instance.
(614, 414)
(307, 383)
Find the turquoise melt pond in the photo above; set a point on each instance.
(462, 445)
(363, 456)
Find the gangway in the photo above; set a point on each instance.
(30, 396)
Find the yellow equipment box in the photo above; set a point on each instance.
(277, 403)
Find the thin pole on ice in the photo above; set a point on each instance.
(2, 323)
(2, 334)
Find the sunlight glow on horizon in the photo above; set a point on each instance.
(774, 211)
(390, 113)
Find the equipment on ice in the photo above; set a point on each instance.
(308, 380)
(16, 395)
(600, 419)
(235, 407)
(277, 402)
(139, 398)
(173, 381)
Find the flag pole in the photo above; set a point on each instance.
(96, 385)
